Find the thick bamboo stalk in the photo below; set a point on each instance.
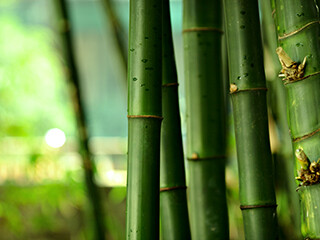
(144, 117)
(206, 141)
(297, 24)
(78, 105)
(248, 90)
(173, 200)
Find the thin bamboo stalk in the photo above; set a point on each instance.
(78, 105)
(299, 52)
(117, 32)
(173, 200)
(248, 91)
(144, 118)
(206, 141)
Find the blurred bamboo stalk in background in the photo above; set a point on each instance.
(72, 75)
(173, 199)
(206, 118)
(284, 166)
(118, 33)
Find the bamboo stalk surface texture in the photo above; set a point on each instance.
(248, 90)
(297, 24)
(144, 118)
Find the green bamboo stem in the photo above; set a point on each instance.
(144, 118)
(173, 199)
(78, 105)
(248, 90)
(206, 140)
(277, 98)
(298, 30)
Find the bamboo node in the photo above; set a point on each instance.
(145, 116)
(298, 139)
(170, 85)
(196, 157)
(172, 188)
(233, 88)
(297, 31)
(291, 70)
(245, 207)
(202, 29)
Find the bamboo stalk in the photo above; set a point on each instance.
(299, 53)
(173, 200)
(206, 141)
(78, 105)
(248, 91)
(283, 158)
(144, 118)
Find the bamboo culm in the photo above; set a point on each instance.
(205, 102)
(144, 118)
(297, 24)
(284, 166)
(173, 199)
(248, 91)
(78, 105)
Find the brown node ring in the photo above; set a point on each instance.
(298, 30)
(202, 29)
(145, 116)
(172, 188)
(170, 85)
(298, 139)
(245, 207)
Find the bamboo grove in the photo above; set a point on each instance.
(297, 25)
(157, 190)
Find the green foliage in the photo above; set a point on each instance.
(33, 96)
